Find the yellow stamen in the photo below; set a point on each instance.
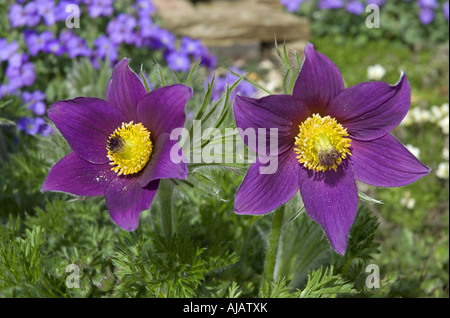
(321, 144)
(129, 148)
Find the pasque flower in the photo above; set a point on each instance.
(121, 145)
(328, 136)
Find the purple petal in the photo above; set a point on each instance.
(282, 112)
(385, 162)
(163, 109)
(79, 177)
(126, 199)
(86, 123)
(371, 110)
(319, 80)
(125, 90)
(261, 193)
(331, 199)
(162, 165)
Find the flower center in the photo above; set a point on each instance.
(129, 148)
(321, 144)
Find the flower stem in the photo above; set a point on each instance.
(165, 196)
(272, 249)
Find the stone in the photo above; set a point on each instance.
(241, 27)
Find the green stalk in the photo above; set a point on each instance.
(165, 197)
(272, 249)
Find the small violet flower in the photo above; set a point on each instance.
(8, 49)
(178, 61)
(328, 136)
(121, 146)
(98, 8)
(35, 101)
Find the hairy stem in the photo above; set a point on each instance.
(272, 249)
(165, 195)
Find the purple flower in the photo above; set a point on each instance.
(376, 2)
(291, 5)
(178, 61)
(192, 47)
(76, 46)
(330, 4)
(121, 146)
(121, 29)
(32, 14)
(20, 76)
(37, 42)
(208, 59)
(35, 101)
(17, 16)
(221, 82)
(106, 48)
(431, 4)
(46, 9)
(445, 10)
(98, 8)
(60, 10)
(46, 130)
(354, 7)
(8, 49)
(328, 136)
(163, 39)
(54, 47)
(144, 8)
(426, 15)
(30, 126)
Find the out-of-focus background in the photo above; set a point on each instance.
(52, 50)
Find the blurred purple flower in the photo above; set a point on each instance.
(32, 14)
(178, 61)
(54, 47)
(17, 59)
(106, 48)
(291, 5)
(354, 7)
(20, 76)
(60, 10)
(431, 4)
(121, 29)
(221, 82)
(65, 36)
(46, 130)
(163, 39)
(376, 2)
(144, 8)
(76, 46)
(8, 49)
(30, 126)
(192, 47)
(98, 8)
(208, 59)
(17, 16)
(35, 101)
(37, 42)
(426, 15)
(330, 4)
(445, 9)
(46, 9)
